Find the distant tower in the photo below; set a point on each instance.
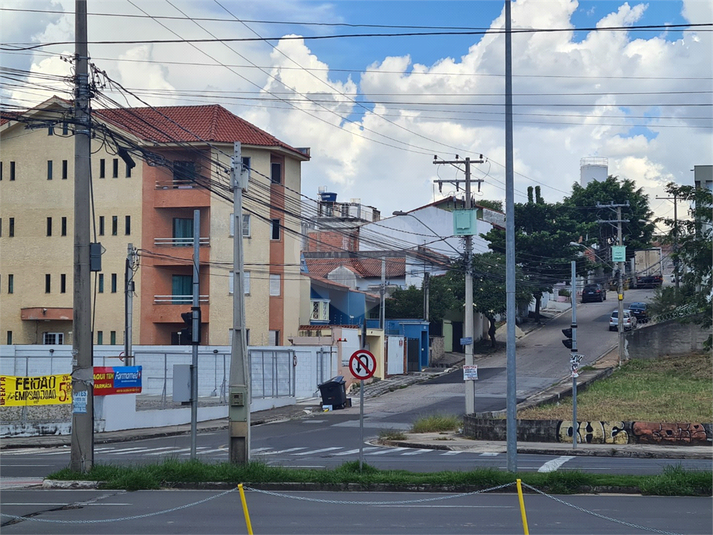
(593, 168)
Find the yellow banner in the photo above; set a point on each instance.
(31, 391)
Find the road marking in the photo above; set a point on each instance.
(416, 452)
(554, 464)
(352, 452)
(312, 452)
(385, 451)
(258, 450)
(280, 451)
(137, 450)
(216, 450)
(489, 454)
(451, 453)
(181, 450)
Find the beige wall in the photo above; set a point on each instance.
(31, 254)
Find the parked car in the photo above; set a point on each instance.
(594, 292)
(640, 311)
(629, 320)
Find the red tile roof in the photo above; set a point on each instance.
(172, 124)
(363, 267)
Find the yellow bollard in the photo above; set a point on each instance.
(522, 508)
(245, 509)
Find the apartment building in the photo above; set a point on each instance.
(151, 169)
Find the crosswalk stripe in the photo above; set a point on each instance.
(312, 452)
(289, 450)
(352, 452)
(416, 452)
(137, 450)
(216, 450)
(387, 450)
(177, 450)
(451, 452)
(489, 454)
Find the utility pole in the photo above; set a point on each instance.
(620, 268)
(426, 282)
(195, 329)
(382, 291)
(239, 386)
(129, 304)
(675, 237)
(468, 312)
(511, 409)
(82, 454)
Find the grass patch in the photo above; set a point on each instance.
(437, 423)
(671, 389)
(673, 481)
(391, 434)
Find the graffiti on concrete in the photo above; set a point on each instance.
(663, 433)
(593, 432)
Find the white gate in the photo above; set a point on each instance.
(395, 351)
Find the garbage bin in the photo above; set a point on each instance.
(334, 392)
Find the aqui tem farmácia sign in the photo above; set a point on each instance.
(57, 389)
(117, 380)
(31, 391)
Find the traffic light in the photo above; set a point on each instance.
(186, 334)
(568, 341)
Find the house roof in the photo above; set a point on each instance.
(174, 124)
(363, 267)
(178, 124)
(326, 282)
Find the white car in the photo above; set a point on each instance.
(629, 320)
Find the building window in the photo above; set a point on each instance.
(11, 230)
(48, 283)
(11, 284)
(182, 232)
(65, 167)
(273, 338)
(12, 171)
(114, 225)
(320, 311)
(275, 229)
(101, 283)
(246, 225)
(112, 337)
(128, 171)
(65, 128)
(9, 338)
(247, 337)
(276, 173)
(50, 130)
(113, 283)
(64, 226)
(0, 170)
(0, 226)
(102, 168)
(127, 225)
(53, 338)
(101, 225)
(274, 284)
(49, 169)
(100, 338)
(246, 282)
(184, 173)
(63, 283)
(115, 168)
(49, 226)
(182, 289)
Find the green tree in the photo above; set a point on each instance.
(543, 236)
(408, 303)
(693, 250)
(582, 204)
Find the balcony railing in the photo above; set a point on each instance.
(177, 299)
(203, 241)
(175, 184)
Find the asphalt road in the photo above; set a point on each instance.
(78, 512)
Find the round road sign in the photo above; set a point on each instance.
(362, 364)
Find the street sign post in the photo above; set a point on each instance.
(362, 364)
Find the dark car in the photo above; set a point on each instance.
(640, 310)
(594, 292)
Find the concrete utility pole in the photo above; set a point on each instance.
(620, 267)
(675, 237)
(468, 313)
(382, 291)
(129, 304)
(195, 329)
(239, 386)
(511, 410)
(82, 454)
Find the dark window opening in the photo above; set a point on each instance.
(275, 231)
(11, 230)
(64, 226)
(115, 168)
(101, 283)
(65, 128)
(127, 225)
(11, 284)
(48, 283)
(49, 226)
(114, 225)
(182, 232)
(63, 283)
(113, 283)
(102, 168)
(101, 225)
(49, 169)
(64, 169)
(184, 173)
(12, 171)
(276, 173)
